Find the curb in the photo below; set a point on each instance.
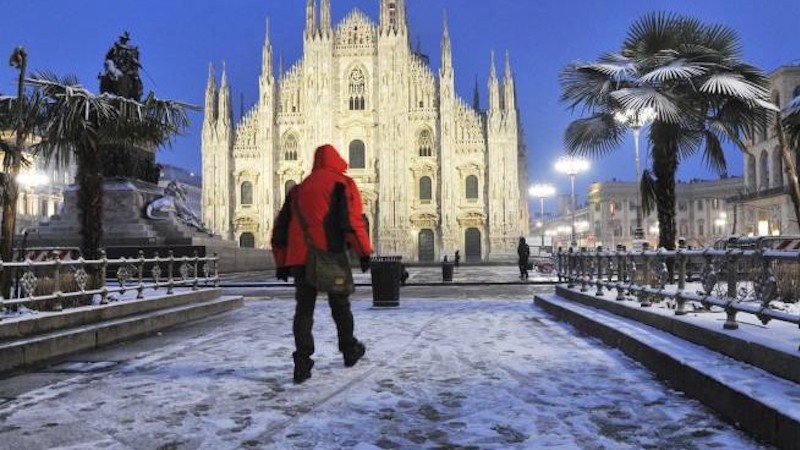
(757, 416)
(31, 350)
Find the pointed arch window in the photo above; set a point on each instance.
(425, 190)
(357, 90)
(425, 143)
(290, 148)
(246, 193)
(472, 187)
(357, 157)
(288, 187)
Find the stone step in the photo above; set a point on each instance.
(763, 404)
(101, 325)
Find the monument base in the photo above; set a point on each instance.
(127, 230)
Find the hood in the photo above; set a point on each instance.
(326, 157)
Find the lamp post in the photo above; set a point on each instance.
(720, 223)
(636, 119)
(542, 191)
(572, 165)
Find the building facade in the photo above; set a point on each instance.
(764, 200)
(436, 173)
(704, 213)
(41, 188)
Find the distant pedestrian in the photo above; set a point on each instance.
(458, 258)
(324, 210)
(523, 252)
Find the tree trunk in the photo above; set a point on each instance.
(665, 165)
(789, 168)
(90, 201)
(9, 222)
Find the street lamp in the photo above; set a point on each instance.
(572, 165)
(542, 191)
(720, 223)
(636, 119)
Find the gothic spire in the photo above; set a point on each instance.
(494, 88)
(325, 18)
(225, 113)
(476, 96)
(211, 95)
(266, 55)
(311, 18)
(492, 70)
(393, 17)
(447, 52)
(509, 95)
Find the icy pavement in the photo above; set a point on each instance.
(489, 371)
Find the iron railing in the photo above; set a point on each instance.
(746, 281)
(57, 284)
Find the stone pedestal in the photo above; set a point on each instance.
(127, 229)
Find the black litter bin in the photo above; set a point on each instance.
(447, 271)
(387, 271)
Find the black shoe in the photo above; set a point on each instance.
(355, 353)
(302, 370)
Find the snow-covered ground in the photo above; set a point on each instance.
(489, 371)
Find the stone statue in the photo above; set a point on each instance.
(120, 77)
(121, 70)
(173, 203)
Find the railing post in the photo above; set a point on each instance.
(730, 312)
(103, 271)
(620, 273)
(679, 300)
(170, 266)
(571, 268)
(140, 288)
(216, 270)
(644, 297)
(196, 262)
(155, 271)
(583, 269)
(57, 285)
(599, 258)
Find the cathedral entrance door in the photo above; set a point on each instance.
(426, 250)
(472, 245)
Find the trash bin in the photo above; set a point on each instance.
(447, 271)
(386, 273)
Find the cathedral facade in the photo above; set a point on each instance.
(436, 173)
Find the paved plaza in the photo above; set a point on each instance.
(453, 367)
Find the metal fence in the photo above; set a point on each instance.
(57, 284)
(751, 281)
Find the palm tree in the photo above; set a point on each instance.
(78, 122)
(21, 116)
(787, 126)
(692, 76)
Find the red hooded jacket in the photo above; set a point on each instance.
(331, 206)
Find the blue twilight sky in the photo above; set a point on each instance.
(178, 39)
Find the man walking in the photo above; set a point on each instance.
(329, 203)
(523, 252)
